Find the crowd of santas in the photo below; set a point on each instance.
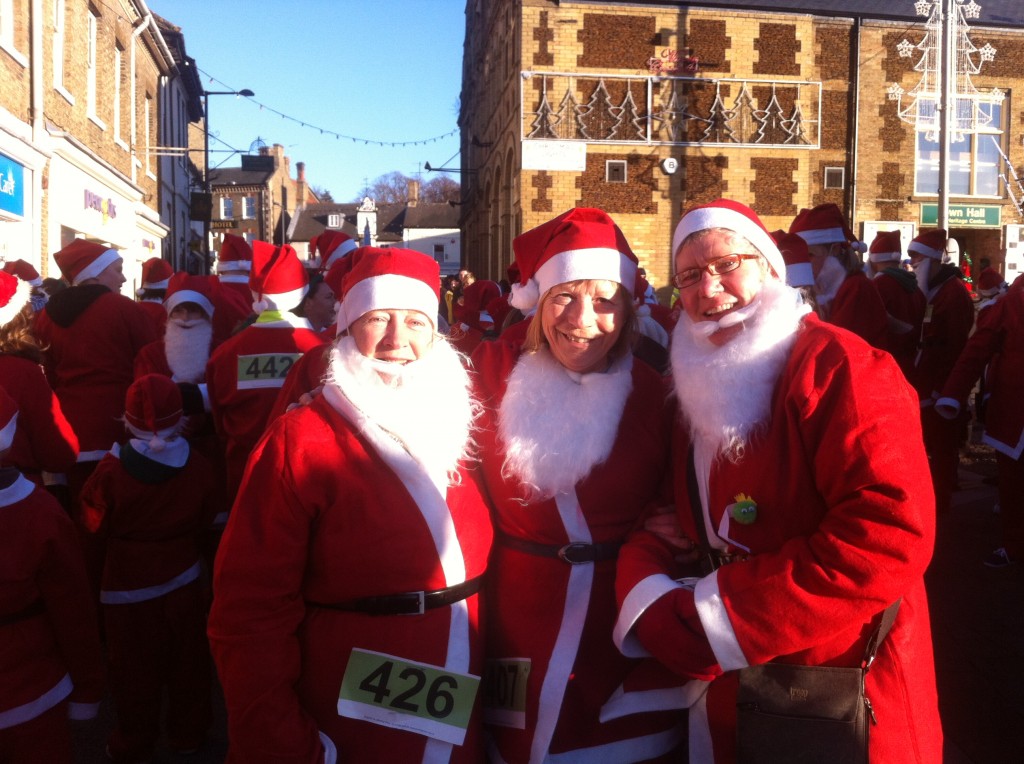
(129, 431)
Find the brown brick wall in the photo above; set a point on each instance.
(15, 86)
(777, 49)
(773, 185)
(542, 182)
(824, 195)
(702, 179)
(710, 44)
(833, 58)
(633, 196)
(835, 109)
(892, 184)
(616, 41)
(544, 36)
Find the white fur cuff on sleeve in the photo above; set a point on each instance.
(640, 597)
(715, 620)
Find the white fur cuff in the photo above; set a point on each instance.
(640, 597)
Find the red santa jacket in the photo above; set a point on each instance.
(997, 342)
(331, 510)
(842, 525)
(947, 322)
(905, 304)
(93, 336)
(307, 374)
(858, 308)
(243, 378)
(49, 642)
(550, 622)
(44, 439)
(150, 515)
(155, 310)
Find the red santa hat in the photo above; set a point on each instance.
(886, 247)
(278, 281)
(389, 279)
(14, 295)
(736, 217)
(24, 271)
(930, 243)
(82, 260)
(8, 420)
(334, 245)
(824, 224)
(989, 282)
(153, 409)
(336, 275)
(583, 243)
(155, 274)
(235, 254)
(797, 258)
(185, 288)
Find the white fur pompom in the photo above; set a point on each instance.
(525, 296)
(259, 306)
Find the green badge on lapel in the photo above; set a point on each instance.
(744, 511)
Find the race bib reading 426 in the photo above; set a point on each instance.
(265, 369)
(416, 697)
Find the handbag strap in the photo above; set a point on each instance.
(888, 615)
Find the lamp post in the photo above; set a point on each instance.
(206, 162)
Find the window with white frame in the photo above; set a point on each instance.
(249, 207)
(58, 44)
(974, 161)
(118, 62)
(147, 127)
(615, 171)
(7, 24)
(249, 237)
(227, 208)
(90, 77)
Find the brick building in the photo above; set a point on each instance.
(647, 108)
(80, 88)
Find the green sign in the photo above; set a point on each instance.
(964, 215)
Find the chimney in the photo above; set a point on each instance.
(413, 192)
(300, 168)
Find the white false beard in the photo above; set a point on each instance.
(557, 425)
(923, 272)
(725, 392)
(187, 348)
(829, 279)
(426, 404)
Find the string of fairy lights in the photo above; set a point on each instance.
(326, 131)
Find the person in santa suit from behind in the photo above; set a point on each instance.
(245, 374)
(948, 319)
(92, 334)
(156, 273)
(799, 273)
(351, 563)
(234, 263)
(474, 322)
(150, 501)
(904, 302)
(813, 492)
(990, 287)
(45, 443)
(333, 246)
(51, 666)
(573, 446)
(843, 293)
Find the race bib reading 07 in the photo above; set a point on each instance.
(417, 697)
(265, 369)
(504, 692)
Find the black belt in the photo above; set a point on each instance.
(574, 553)
(407, 603)
(33, 609)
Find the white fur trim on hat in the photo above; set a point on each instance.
(20, 298)
(924, 249)
(388, 291)
(233, 278)
(7, 432)
(799, 275)
(885, 257)
(187, 295)
(340, 251)
(279, 301)
(97, 266)
(599, 263)
(233, 265)
(823, 236)
(702, 218)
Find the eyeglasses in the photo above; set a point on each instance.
(717, 267)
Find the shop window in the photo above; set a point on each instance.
(974, 161)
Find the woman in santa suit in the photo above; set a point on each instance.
(573, 447)
(811, 486)
(346, 619)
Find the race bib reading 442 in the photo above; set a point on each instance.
(504, 698)
(416, 697)
(265, 369)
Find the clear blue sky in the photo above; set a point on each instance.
(378, 70)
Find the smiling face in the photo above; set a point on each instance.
(582, 321)
(393, 336)
(716, 296)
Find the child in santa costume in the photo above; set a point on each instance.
(51, 667)
(346, 620)
(156, 275)
(947, 322)
(904, 302)
(246, 372)
(843, 292)
(92, 334)
(573, 445)
(150, 501)
(45, 442)
(813, 494)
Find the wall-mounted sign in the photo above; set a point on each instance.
(674, 62)
(871, 229)
(105, 207)
(555, 155)
(12, 186)
(220, 225)
(964, 215)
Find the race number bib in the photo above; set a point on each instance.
(265, 369)
(416, 697)
(504, 692)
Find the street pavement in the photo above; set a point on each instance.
(977, 629)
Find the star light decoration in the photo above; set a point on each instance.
(967, 114)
